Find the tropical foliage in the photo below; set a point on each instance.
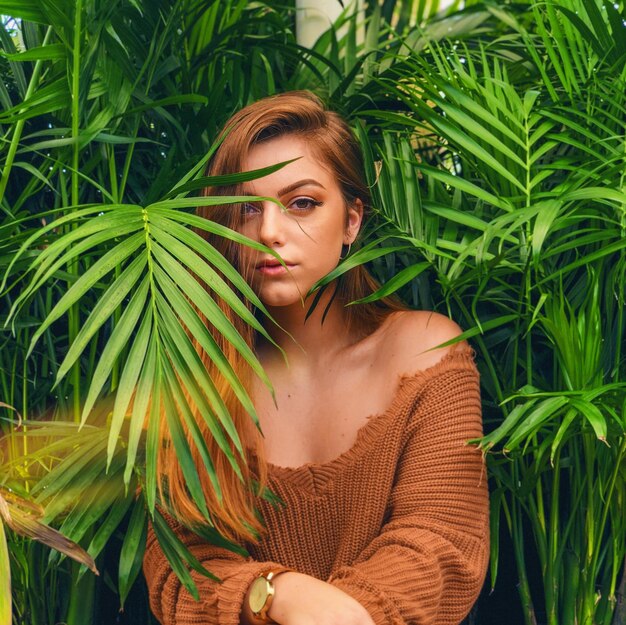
(496, 150)
(523, 226)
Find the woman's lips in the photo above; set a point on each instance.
(273, 269)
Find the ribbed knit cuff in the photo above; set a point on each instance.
(369, 596)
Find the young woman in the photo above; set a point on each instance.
(384, 512)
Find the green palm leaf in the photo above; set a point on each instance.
(153, 264)
(116, 343)
(133, 549)
(95, 273)
(137, 356)
(109, 302)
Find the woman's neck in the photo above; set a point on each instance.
(308, 341)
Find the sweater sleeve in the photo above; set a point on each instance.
(427, 565)
(220, 603)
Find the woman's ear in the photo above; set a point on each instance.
(354, 220)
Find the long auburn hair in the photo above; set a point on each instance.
(302, 114)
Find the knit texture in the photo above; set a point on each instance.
(399, 521)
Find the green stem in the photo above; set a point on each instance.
(127, 162)
(74, 312)
(619, 616)
(528, 263)
(588, 578)
(25, 415)
(76, 99)
(621, 286)
(517, 535)
(607, 498)
(11, 397)
(82, 598)
(153, 288)
(551, 581)
(19, 125)
(115, 193)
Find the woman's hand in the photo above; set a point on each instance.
(304, 600)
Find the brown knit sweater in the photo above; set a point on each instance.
(399, 521)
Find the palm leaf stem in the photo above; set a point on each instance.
(551, 580)
(19, 125)
(607, 504)
(588, 598)
(621, 285)
(82, 597)
(74, 311)
(116, 195)
(520, 559)
(619, 616)
(76, 62)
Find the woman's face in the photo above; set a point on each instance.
(308, 233)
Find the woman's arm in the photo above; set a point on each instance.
(299, 599)
(428, 563)
(304, 600)
(220, 603)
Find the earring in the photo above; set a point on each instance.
(344, 256)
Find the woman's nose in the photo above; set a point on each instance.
(272, 226)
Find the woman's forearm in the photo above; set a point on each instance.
(300, 599)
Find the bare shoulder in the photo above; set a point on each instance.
(413, 338)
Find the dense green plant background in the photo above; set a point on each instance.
(496, 150)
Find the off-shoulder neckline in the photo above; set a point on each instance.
(407, 387)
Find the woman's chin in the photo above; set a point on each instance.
(278, 300)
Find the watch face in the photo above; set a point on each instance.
(259, 591)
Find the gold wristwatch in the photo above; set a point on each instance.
(261, 596)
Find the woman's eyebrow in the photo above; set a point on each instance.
(291, 187)
(300, 183)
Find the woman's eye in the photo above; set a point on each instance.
(249, 209)
(304, 203)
